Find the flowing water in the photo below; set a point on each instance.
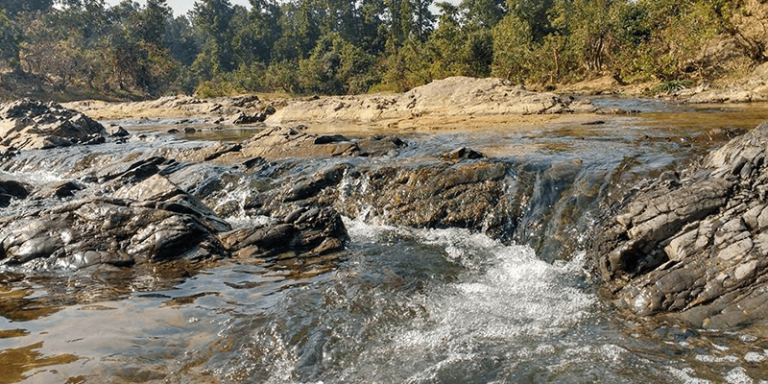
(400, 305)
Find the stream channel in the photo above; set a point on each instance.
(400, 304)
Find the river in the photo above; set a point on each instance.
(401, 304)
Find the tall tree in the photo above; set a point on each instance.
(150, 23)
(10, 40)
(212, 18)
(13, 7)
(483, 13)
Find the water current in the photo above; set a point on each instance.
(402, 305)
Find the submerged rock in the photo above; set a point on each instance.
(27, 124)
(695, 249)
(293, 142)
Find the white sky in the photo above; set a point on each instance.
(181, 7)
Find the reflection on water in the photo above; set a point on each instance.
(19, 361)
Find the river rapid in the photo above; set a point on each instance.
(400, 304)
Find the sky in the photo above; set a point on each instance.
(181, 7)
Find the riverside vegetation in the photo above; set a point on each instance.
(69, 49)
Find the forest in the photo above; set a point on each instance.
(85, 48)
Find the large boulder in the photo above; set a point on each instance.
(696, 249)
(27, 124)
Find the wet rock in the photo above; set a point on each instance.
(116, 131)
(465, 195)
(378, 146)
(149, 222)
(11, 189)
(694, 249)
(329, 139)
(277, 143)
(306, 231)
(27, 124)
(312, 187)
(60, 190)
(463, 154)
(137, 171)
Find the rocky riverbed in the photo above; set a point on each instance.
(516, 216)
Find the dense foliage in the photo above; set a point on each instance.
(352, 46)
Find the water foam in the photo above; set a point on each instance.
(506, 295)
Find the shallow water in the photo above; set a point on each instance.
(400, 305)
(404, 305)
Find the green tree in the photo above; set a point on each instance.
(180, 39)
(534, 15)
(150, 23)
(512, 50)
(10, 40)
(14, 7)
(212, 18)
(483, 13)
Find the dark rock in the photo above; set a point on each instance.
(307, 232)
(226, 148)
(173, 131)
(11, 189)
(464, 196)
(305, 189)
(244, 118)
(694, 249)
(245, 101)
(60, 190)
(380, 146)
(253, 162)
(133, 172)
(464, 154)
(146, 223)
(328, 139)
(273, 143)
(117, 131)
(190, 130)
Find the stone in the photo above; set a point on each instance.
(692, 250)
(307, 231)
(28, 125)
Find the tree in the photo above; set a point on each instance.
(13, 7)
(534, 15)
(212, 18)
(149, 24)
(483, 13)
(10, 40)
(180, 39)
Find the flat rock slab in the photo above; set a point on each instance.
(454, 96)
